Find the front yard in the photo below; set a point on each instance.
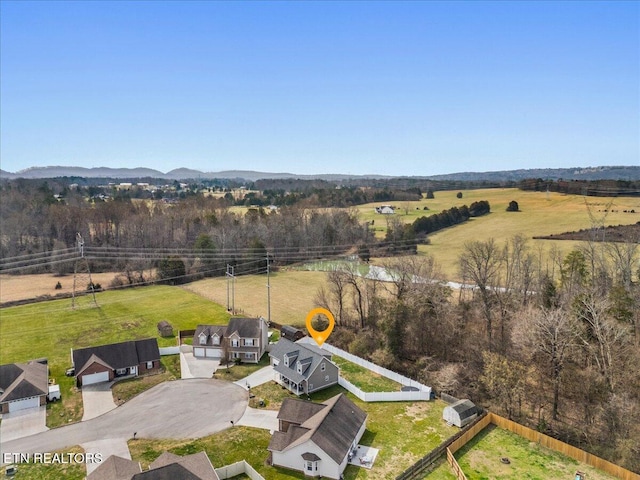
(403, 431)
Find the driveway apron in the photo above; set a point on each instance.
(23, 423)
(97, 400)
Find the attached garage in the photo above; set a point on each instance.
(212, 353)
(23, 404)
(95, 378)
(198, 352)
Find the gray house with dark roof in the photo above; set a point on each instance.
(245, 339)
(23, 385)
(301, 367)
(317, 438)
(104, 363)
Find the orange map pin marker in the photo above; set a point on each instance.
(320, 337)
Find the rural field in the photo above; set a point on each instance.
(292, 294)
(540, 214)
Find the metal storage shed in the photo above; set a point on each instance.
(460, 413)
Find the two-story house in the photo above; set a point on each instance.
(243, 338)
(303, 368)
(317, 438)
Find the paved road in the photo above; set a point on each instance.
(179, 409)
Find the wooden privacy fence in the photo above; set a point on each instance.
(415, 470)
(540, 439)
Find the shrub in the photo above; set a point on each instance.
(513, 206)
(58, 286)
(459, 195)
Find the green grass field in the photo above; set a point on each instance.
(51, 329)
(539, 215)
(365, 379)
(480, 459)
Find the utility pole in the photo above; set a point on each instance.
(82, 274)
(268, 294)
(231, 277)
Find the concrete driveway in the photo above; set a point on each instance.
(192, 367)
(264, 375)
(180, 409)
(23, 423)
(266, 419)
(97, 400)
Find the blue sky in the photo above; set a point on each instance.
(395, 88)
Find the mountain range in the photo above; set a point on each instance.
(630, 173)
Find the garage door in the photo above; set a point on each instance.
(23, 404)
(95, 378)
(198, 352)
(213, 353)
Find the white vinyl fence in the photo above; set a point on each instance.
(423, 392)
(238, 468)
(169, 350)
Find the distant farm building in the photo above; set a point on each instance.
(385, 210)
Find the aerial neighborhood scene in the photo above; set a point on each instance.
(340, 240)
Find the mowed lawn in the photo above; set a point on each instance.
(403, 431)
(292, 294)
(480, 459)
(540, 214)
(51, 329)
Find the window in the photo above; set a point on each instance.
(286, 361)
(310, 466)
(248, 342)
(234, 342)
(149, 365)
(248, 355)
(216, 340)
(326, 378)
(121, 371)
(299, 368)
(310, 386)
(322, 366)
(203, 339)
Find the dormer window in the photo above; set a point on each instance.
(203, 339)
(215, 339)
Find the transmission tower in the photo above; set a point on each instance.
(82, 282)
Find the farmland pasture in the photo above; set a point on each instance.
(540, 214)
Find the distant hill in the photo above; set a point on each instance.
(629, 173)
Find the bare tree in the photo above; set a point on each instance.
(551, 333)
(480, 262)
(602, 336)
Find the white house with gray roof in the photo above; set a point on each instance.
(317, 439)
(302, 368)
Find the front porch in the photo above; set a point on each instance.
(295, 388)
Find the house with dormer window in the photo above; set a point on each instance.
(317, 439)
(302, 368)
(245, 339)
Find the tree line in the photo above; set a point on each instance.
(549, 339)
